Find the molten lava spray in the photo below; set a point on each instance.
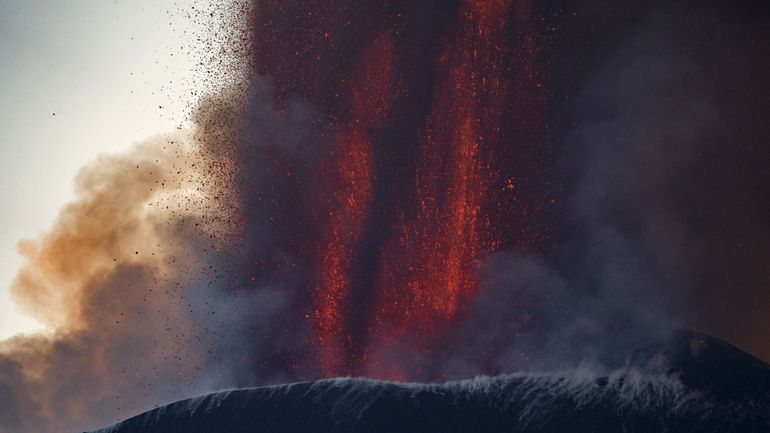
(439, 123)
(352, 185)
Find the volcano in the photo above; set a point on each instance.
(686, 382)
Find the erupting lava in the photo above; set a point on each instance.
(444, 239)
(372, 94)
(439, 118)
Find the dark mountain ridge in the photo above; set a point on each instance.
(689, 382)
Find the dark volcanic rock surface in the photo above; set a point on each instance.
(689, 383)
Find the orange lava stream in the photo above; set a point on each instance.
(352, 186)
(439, 248)
(401, 235)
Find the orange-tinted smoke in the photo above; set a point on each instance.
(111, 280)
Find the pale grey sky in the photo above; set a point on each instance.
(104, 67)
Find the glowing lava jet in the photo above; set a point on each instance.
(439, 114)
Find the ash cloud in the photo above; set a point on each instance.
(670, 176)
(136, 279)
(663, 221)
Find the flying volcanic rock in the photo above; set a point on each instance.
(690, 383)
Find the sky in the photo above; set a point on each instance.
(79, 78)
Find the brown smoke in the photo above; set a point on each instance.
(114, 281)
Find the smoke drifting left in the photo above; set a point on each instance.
(162, 280)
(129, 280)
(107, 279)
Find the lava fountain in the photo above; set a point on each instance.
(439, 118)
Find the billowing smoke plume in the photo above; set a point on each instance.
(134, 282)
(113, 280)
(666, 173)
(413, 191)
(663, 157)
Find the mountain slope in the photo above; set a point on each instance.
(691, 383)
